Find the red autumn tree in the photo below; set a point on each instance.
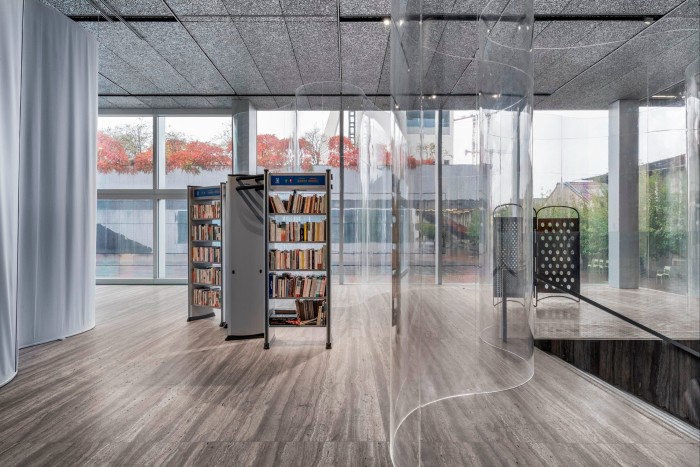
(272, 151)
(143, 162)
(384, 156)
(111, 155)
(197, 156)
(350, 153)
(412, 162)
(307, 164)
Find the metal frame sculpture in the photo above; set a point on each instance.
(557, 253)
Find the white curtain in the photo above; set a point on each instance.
(57, 193)
(10, 76)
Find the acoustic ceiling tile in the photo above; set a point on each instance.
(365, 7)
(309, 7)
(193, 102)
(124, 75)
(383, 102)
(363, 46)
(220, 102)
(253, 7)
(199, 7)
(126, 102)
(315, 48)
(72, 7)
(621, 7)
(224, 45)
(263, 103)
(384, 86)
(175, 45)
(105, 86)
(104, 103)
(550, 7)
(268, 43)
(160, 102)
(140, 55)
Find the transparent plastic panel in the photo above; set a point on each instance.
(458, 337)
(359, 160)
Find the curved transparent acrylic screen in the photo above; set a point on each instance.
(338, 128)
(473, 335)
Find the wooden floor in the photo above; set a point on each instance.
(147, 388)
(676, 316)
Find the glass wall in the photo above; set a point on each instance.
(124, 152)
(663, 192)
(198, 151)
(125, 238)
(144, 165)
(570, 168)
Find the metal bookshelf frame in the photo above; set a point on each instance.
(209, 195)
(301, 186)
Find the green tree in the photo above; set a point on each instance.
(594, 227)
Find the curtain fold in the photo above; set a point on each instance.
(10, 81)
(57, 192)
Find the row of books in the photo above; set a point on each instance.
(206, 232)
(298, 259)
(307, 313)
(206, 211)
(209, 276)
(298, 204)
(206, 254)
(290, 286)
(297, 231)
(206, 297)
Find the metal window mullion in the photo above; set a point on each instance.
(341, 199)
(438, 203)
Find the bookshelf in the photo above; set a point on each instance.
(297, 249)
(205, 251)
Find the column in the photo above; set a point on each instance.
(623, 194)
(244, 137)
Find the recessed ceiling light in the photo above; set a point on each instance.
(386, 21)
(433, 96)
(648, 20)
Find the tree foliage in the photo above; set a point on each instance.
(272, 152)
(127, 150)
(594, 226)
(313, 147)
(350, 153)
(111, 156)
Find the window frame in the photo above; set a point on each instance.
(155, 193)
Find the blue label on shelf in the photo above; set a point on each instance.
(298, 180)
(207, 192)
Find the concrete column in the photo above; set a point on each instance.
(245, 118)
(623, 194)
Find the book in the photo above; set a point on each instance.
(298, 204)
(206, 211)
(294, 286)
(301, 259)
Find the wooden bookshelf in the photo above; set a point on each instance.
(204, 251)
(297, 249)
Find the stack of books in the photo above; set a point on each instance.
(206, 297)
(298, 204)
(206, 254)
(206, 211)
(290, 286)
(297, 231)
(206, 232)
(297, 259)
(210, 276)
